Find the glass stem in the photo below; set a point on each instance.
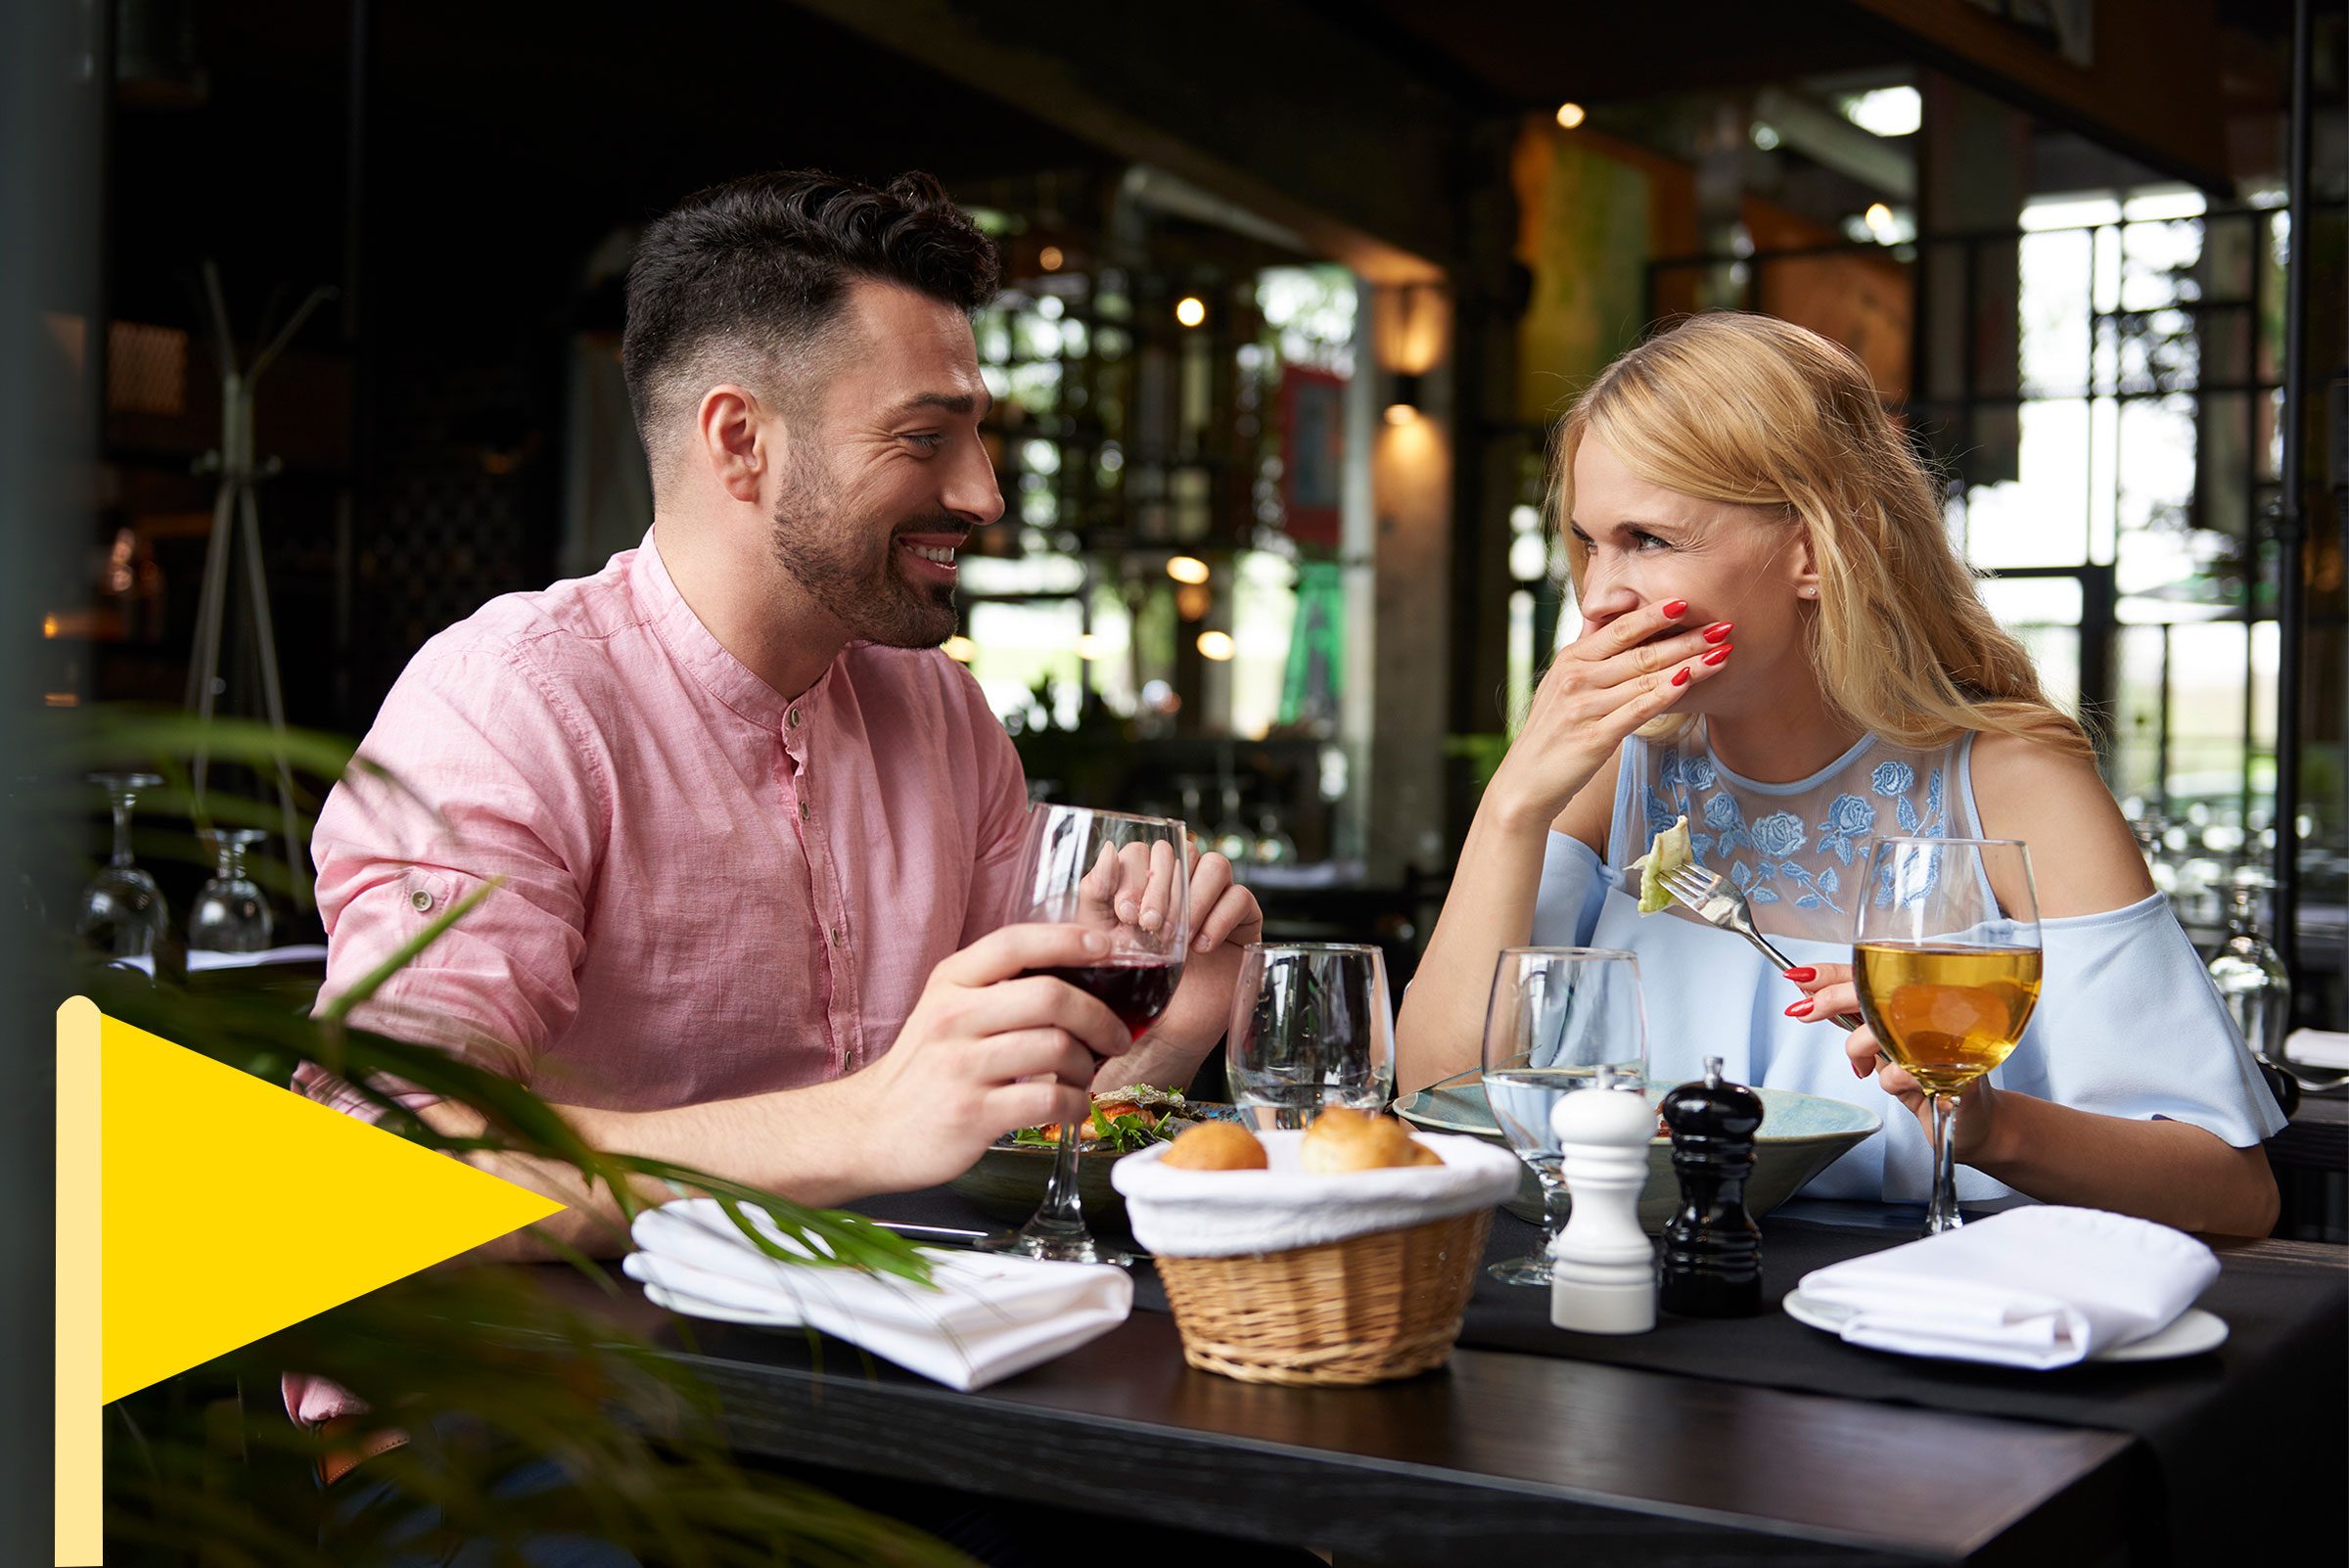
(122, 805)
(1943, 1215)
(1555, 1202)
(1063, 1208)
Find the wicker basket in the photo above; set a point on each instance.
(1364, 1310)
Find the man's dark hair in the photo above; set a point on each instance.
(746, 280)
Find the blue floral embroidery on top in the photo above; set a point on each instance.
(1760, 858)
(1779, 834)
(1849, 818)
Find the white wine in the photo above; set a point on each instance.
(1947, 1014)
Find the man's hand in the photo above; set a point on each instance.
(1225, 919)
(981, 1053)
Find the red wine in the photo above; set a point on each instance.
(1136, 990)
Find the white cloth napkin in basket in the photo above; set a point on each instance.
(1235, 1214)
(2039, 1286)
(989, 1318)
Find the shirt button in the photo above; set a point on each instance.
(792, 718)
(840, 936)
(422, 899)
(802, 810)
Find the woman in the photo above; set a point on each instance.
(1781, 643)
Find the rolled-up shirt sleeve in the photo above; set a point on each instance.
(489, 778)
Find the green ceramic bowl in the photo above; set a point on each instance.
(1801, 1136)
(1008, 1181)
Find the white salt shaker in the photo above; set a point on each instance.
(1602, 1265)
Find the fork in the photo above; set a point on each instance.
(1718, 902)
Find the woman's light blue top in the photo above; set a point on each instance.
(2127, 1023)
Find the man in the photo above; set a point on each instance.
(755, 829)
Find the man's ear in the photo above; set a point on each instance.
(732, 437)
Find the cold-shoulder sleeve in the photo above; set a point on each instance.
(2130, 1024)
(1566, 905)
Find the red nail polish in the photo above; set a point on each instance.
(1719, 652)
(1717, 631)
(1801, 1009)
(1802, 972)
(1674, 609)
(1680, 677)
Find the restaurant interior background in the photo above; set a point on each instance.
(1293, 293)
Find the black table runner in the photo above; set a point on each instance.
(2244, 1438)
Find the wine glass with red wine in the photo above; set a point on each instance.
(1129, 878)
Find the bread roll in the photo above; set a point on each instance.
(1342, 1140)
(1216, 1146)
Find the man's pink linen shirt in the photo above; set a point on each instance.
(710, 890)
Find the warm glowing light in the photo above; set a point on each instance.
(1193, 600)
(1878, 215)
(48, 625)
(1049, 258)
(59, 698)
(1187, 569)
(1190, 310)
(1216, 645)
(1571, 115)
(1400, 413)
(961, 650)
(1088, 646)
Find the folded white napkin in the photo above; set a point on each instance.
(989, 1318)
(1235, 1214)
(2039, 1286)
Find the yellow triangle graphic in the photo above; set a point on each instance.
(233, 1207)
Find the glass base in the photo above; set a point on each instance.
(1531, 1269)
(1938, 1220)
(1052, 1244)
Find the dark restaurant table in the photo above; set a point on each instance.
(1593, 1460)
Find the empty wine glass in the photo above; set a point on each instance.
(1311, 1026)
(231, 914)
(122, 912)
(1558, 1016)
(1130, 878)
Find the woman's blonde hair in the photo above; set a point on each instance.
(1756, 411)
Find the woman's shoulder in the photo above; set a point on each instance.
(2048, 795)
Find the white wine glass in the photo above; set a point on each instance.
(1946, 963)
(1557, 1015)
(1130, 878)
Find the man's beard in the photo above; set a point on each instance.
(850, 566)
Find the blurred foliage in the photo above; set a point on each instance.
(486, 1368)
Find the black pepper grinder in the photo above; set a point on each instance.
(1712, 1258)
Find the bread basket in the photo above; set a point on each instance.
(1281, 1277)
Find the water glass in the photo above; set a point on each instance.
(1558, 1017)
(1311, 1026)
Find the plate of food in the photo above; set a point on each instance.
(1801, 1136)
(1008, 1181)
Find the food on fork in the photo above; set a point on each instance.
(1342, 1140)
(1216, 1146)
(1666, 854)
